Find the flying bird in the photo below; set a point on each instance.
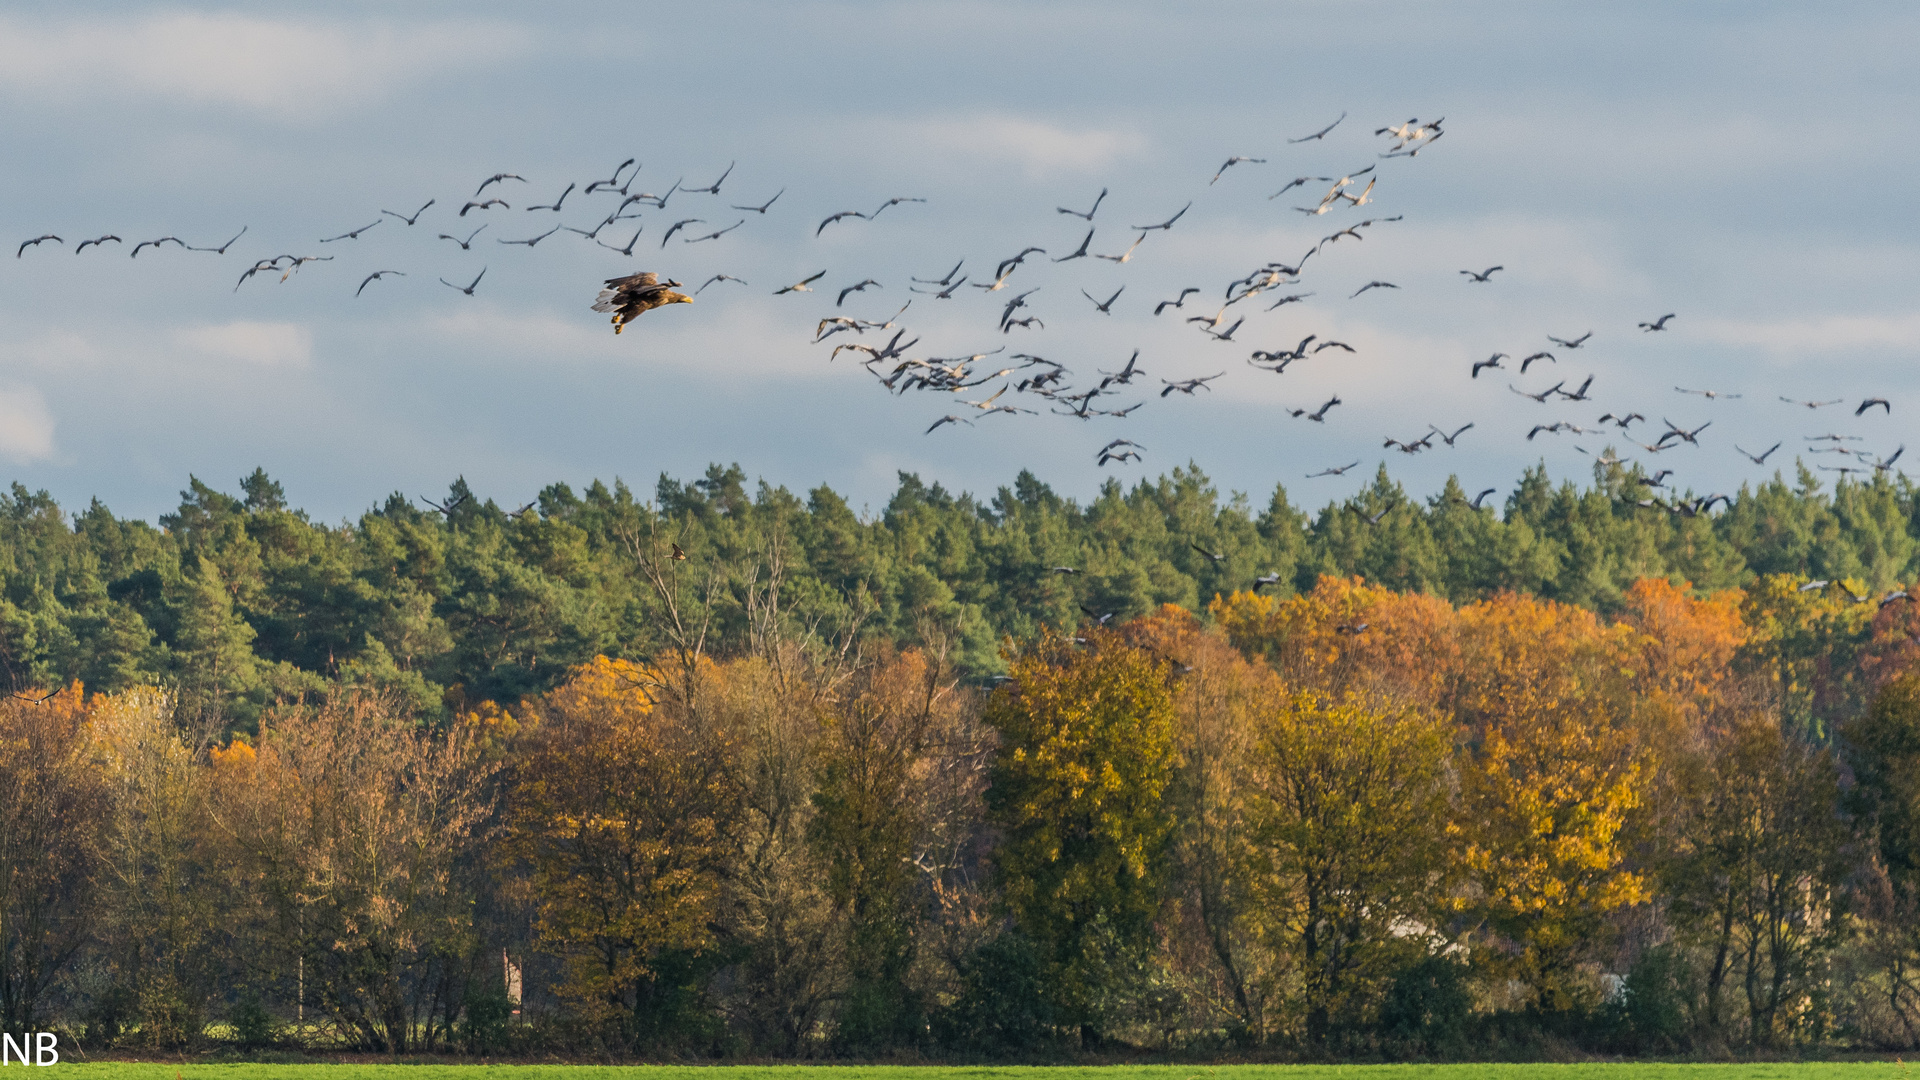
(84, 244)
(1335, 471)
(494, 179)
(1299, 181)
(613, 184)
(1319, 416)
(677, 226)
(1708, 394)
(1105, 308)
(1231, 162)
(1871, 402)
(222, 249)
(628, 297)
(1078, 253)
(860, 287)
(1179, 301)
(1322, 133)
(1167, 224)
(1683, 434)
(469, 288)
(841, 216)
(948, 419)
(801, 285)
(354, 235)
(529, 242)
(1528, 362)
(154, 244)
(36, 241)
(895, 201)
(376, 276)
(1812, 404)
(416, 213)
(1014, 305)
(1574, 344)
(467, 244)
(483, 205)
(1483, 275)
(1374, 285)
(1188, 386)
(555, 204)
(716, 234)
(1477, 499)
(713, 188)
(1088, 216)
(1760, 458)
(762, 208)
(1490, 362)
(1657, 324)
(1123, 256)
(628, 249)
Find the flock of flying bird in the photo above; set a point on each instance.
(1034, 382)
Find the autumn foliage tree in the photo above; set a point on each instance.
(338, 841)
(1348, 818)
(1549, 785)
(1078, 791)
(51, 802)
(622, 813)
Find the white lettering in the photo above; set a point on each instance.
(17, 1049)
(46, 1053)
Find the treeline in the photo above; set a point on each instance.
(1350, 822)
(237, 601)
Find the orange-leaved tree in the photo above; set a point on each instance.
(1347, 635)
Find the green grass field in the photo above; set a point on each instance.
(1589, 1071)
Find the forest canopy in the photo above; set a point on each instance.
(240, 600)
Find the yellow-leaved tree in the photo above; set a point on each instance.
(1078, 791)
(1348, 815)
(1550, 787)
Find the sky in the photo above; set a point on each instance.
(1746, 167)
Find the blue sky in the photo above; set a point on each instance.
(1744, 166)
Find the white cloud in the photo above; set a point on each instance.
(26, 425)
(282, 67)
(1040, 148)
(264, 344)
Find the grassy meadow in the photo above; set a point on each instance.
(1853, 1070)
